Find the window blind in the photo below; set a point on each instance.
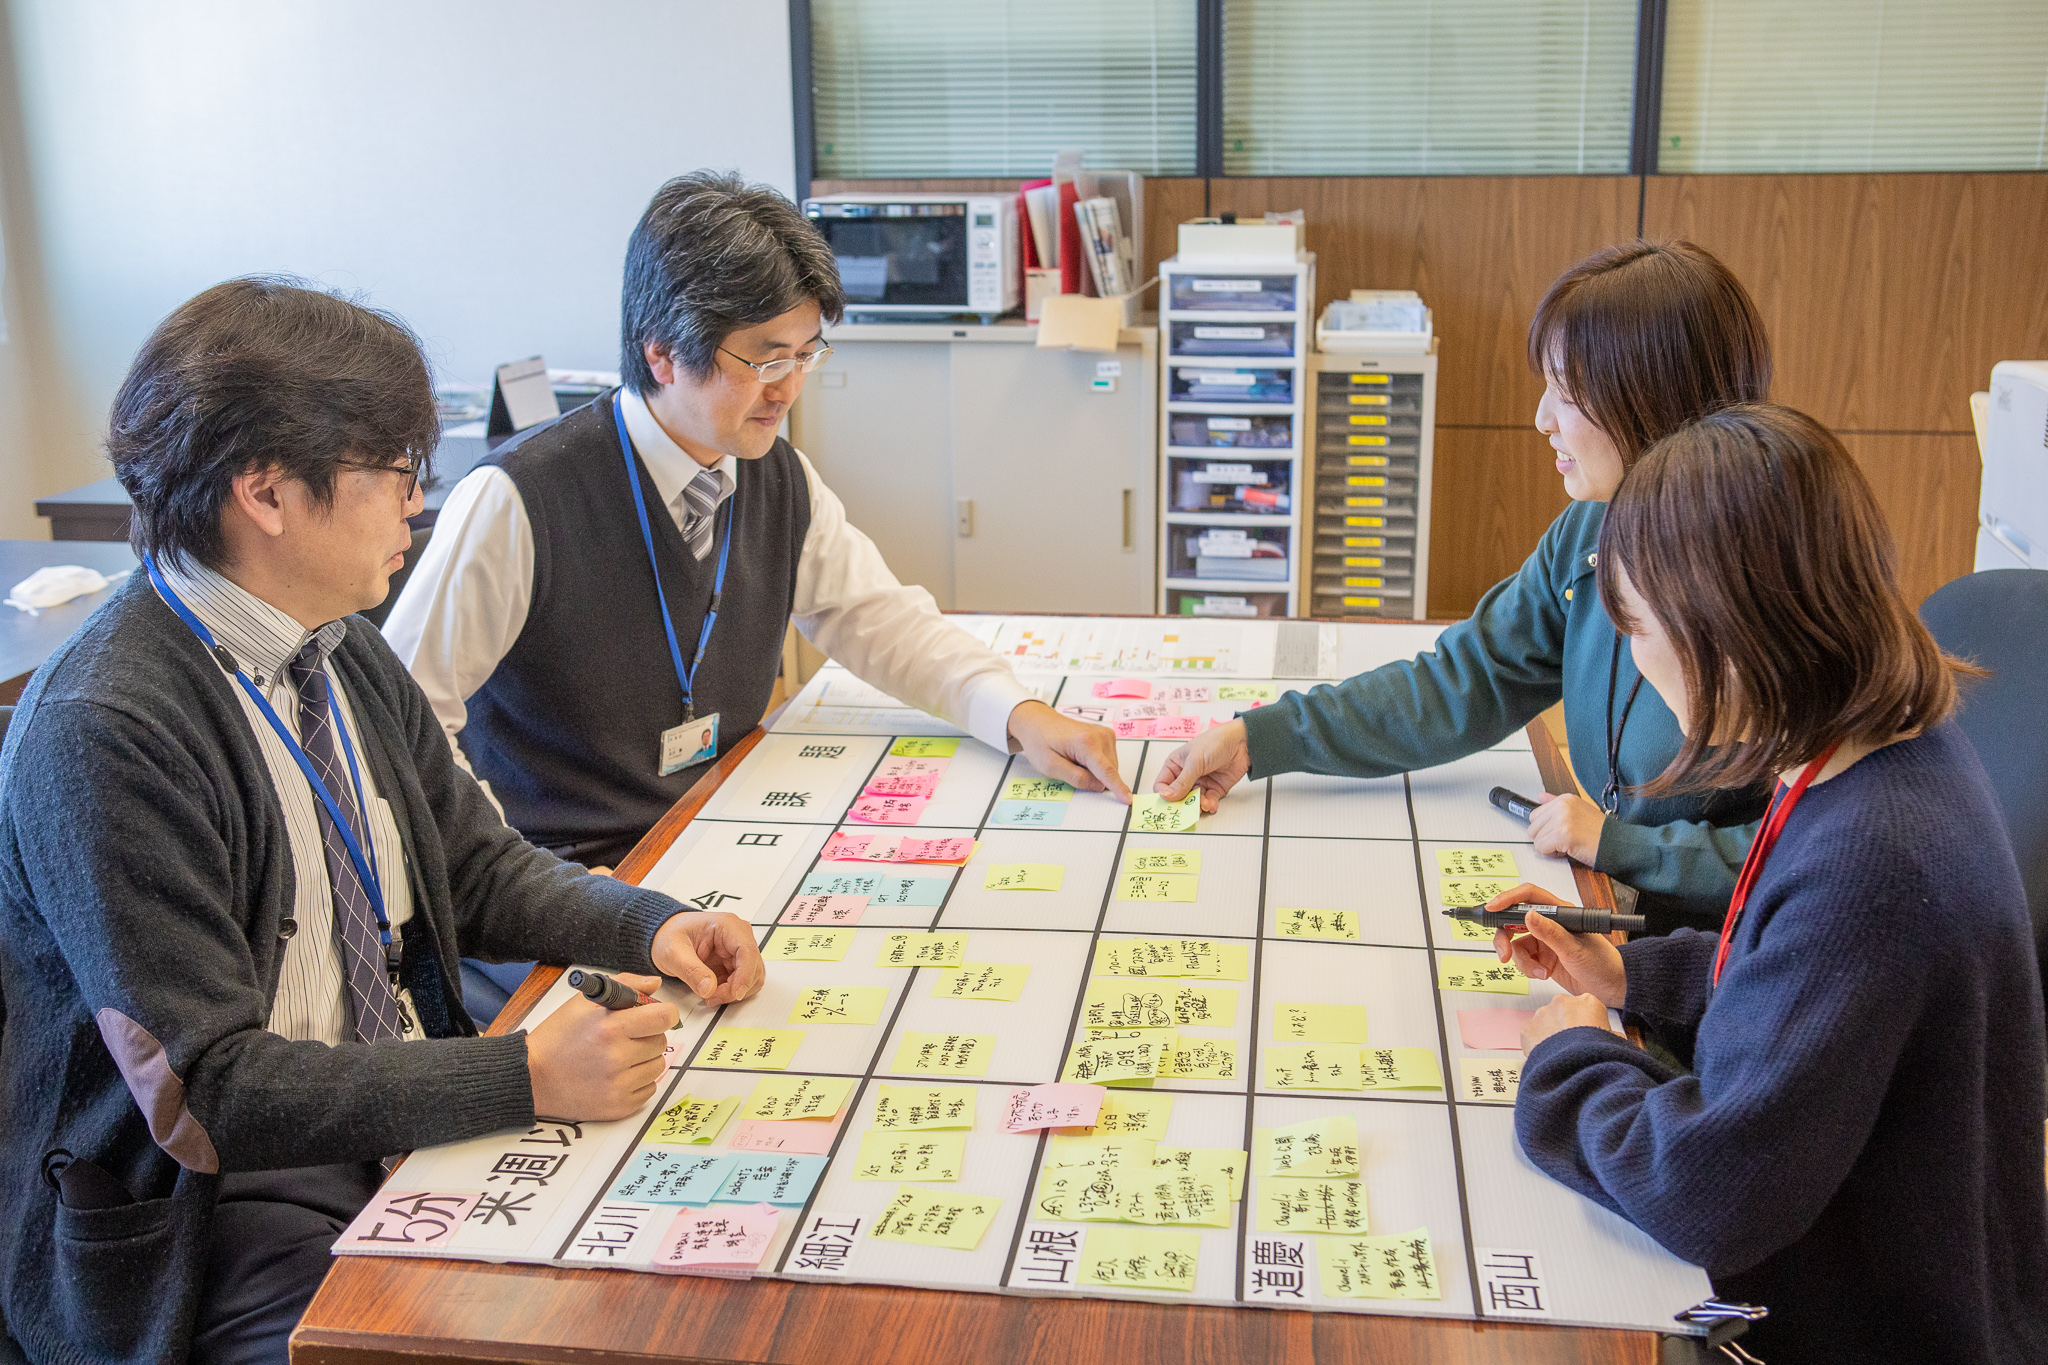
(1427, 87)
(997, 87)
(1854, 85)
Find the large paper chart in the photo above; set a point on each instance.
(1309, 1071)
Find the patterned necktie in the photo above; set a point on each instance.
(701, 495)
(355, 923)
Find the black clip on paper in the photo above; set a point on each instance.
(1724, 1322)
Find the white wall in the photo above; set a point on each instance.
(473, 165)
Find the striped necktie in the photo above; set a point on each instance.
(355, 923)
(701, 497)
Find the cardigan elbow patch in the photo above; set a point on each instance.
(158, 1092)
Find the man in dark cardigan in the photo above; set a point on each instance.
(228, 942)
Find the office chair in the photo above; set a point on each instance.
(1999, 620)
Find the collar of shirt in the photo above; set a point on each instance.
(669, 464)
(262, 638)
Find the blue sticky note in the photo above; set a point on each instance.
(879, 890)
(673, 1175)
(785, 1180)
(1031, 814)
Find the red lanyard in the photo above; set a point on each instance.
(1766, 839)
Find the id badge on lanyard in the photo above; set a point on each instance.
(696, 738)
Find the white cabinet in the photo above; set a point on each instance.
(999, 476)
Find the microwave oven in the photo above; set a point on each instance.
(922, 255)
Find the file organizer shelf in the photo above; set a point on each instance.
(1234, 428)
(1367, 517)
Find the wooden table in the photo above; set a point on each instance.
(25, 641)
(376, 1310)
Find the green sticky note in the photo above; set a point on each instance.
(935, 1218)
(1319, 1023)
(1476, 862)
(924, 746)
(1150, 813)
(1037, 789)
(1140, 1258)
(1397, 1267)
(1174, 860)
(1024, 877)
(693, 1118)
(1463, 973)
(1155, 886)
(1248, 691)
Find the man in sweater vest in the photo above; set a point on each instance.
(238, 867)
(602, 590)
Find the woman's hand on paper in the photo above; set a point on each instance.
(1567, 827)
(1545, 951)
(1214, 762)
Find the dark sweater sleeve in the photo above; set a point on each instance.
(1487, 676)
(1668, 976)
(126, 862)
(1736, 1160)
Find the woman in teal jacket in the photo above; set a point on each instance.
(1632, 343)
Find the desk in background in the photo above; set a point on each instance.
(25, 641)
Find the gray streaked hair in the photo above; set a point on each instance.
(711, 255)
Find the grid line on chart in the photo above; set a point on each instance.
(1443, 1042)
(1251, 1074)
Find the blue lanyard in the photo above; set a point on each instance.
(685, 677)
(365, 866)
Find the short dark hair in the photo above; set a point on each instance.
(711, 255)
(1646, 336)
(1757, 542)
(257, 373)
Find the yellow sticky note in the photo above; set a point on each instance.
(924, 746)
(692, 1118)
(1485, 1078)
(1097, 1191)
(1037, 789)
(1463, 973)
(756, 1049)
(1137, 957)
(910, 1156)
(1208, 1059)
(935, 1218)
(1317, 1066)
(1208, 957)
(1248, 691)
(797, 1097)
(1319, 1023)
(1113, 1059)
(950, 1054)
(1185, 1185)
(1397, 1267)
(1476, 862)
(1316, 1206)
(1461, 891)
(808, 945)
(1130, 1114)
(981, 981)
(1229, 1160)
(839, 1005)
(923, 950)
(1205, 1006)
(1155, 886)
(1466, 931)
(1326, 1146)
(910, 1107)
(1062, 1152)
(1024, 877)
(1150, 814)
(1122, 1003)
(1140, 1258)
(1233, 962)
(1313, 923)
(1182, 861)
(1399, 1068)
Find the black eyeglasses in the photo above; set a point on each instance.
(411, 470)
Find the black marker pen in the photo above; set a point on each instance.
(1521, 807)
(1578, 919)
(613, 995)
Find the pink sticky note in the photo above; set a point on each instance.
(1052, 1106)
(1177, 727)
(758, 1135)
(953, 850)
(722, 1241)
(887, 810)
(909, 784)
(1124, 687)
(407, 1220)
(1139, 728)
(1498, 1029)
(843, 848)
(825, 910)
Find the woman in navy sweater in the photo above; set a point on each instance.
(1853, 1138)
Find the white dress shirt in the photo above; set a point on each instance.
(466, 602)
(312, 1001)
